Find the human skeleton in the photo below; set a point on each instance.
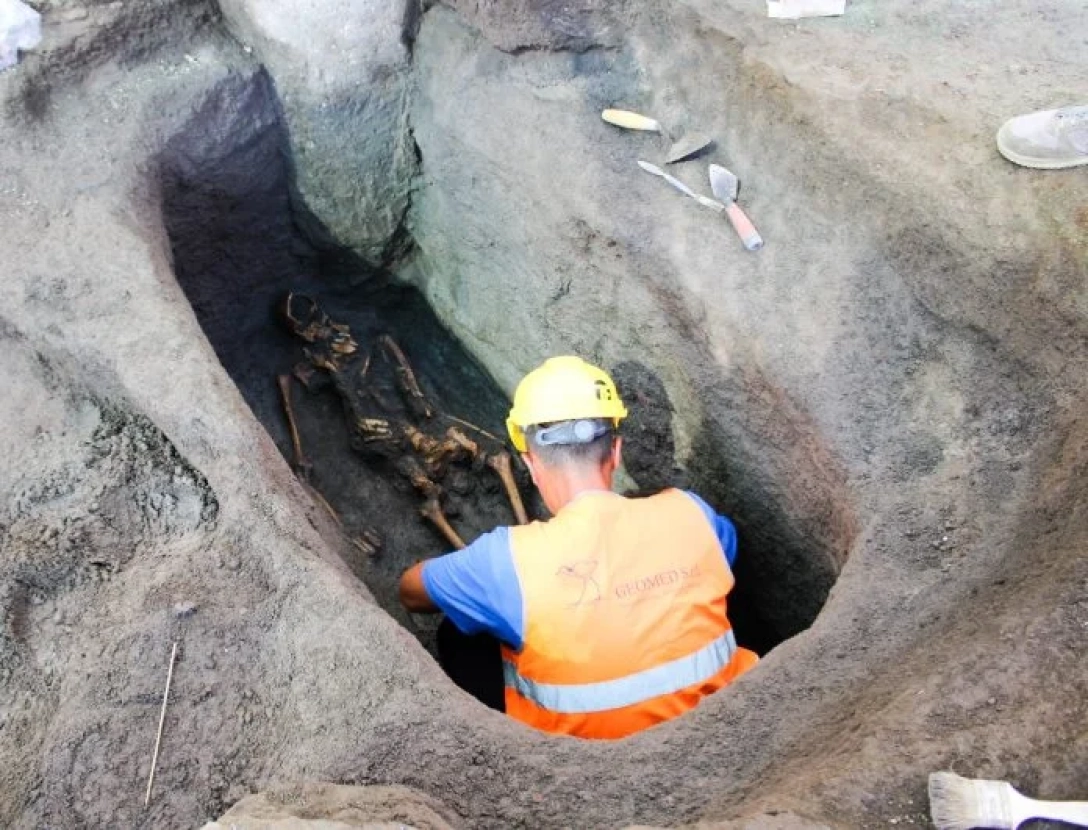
(422, 445)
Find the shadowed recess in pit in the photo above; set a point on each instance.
(787, 497)
(225, 183)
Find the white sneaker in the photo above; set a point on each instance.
(1050, 139)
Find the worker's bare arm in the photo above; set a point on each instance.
(413, 594)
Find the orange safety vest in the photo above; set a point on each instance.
(625, 623)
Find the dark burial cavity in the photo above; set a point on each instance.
(226, 185)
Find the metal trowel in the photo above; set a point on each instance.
(705, 201)
(726, 186)
(680, 148)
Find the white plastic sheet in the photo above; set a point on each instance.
(20, 28)
(796, 9)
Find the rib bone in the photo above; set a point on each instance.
(368, 542)
(373, 429)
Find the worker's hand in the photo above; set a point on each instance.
(413, 595)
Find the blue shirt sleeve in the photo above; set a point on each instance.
(723, 529)
(478, 589)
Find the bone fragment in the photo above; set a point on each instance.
(420, 441)
(435, 453)
(454, 437)
(368, 543)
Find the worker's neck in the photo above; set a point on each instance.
(562, 486)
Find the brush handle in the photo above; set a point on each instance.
(1071, 812)
(744, 227)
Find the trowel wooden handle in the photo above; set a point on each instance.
(631, 120)
(744, 227)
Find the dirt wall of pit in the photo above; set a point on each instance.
(891, 387)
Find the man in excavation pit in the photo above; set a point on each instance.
(611, 616)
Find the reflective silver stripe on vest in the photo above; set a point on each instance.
(580, 698)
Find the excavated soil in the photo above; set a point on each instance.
(888, 400)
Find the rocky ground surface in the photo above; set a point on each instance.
(888, 397)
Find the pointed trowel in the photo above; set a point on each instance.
(726, 186)
(705, 201)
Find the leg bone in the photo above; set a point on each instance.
(406, 379)
(411, 469)
(301, 463)
(500, 463)
(433, 511)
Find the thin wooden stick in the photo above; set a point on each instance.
(471, 426)
(162, 720)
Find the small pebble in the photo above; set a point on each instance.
(184, 609)
(72, 14)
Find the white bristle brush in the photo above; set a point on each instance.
(958, 803)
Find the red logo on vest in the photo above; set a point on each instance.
(583, 572)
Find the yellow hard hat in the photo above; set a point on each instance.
(562, 389)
